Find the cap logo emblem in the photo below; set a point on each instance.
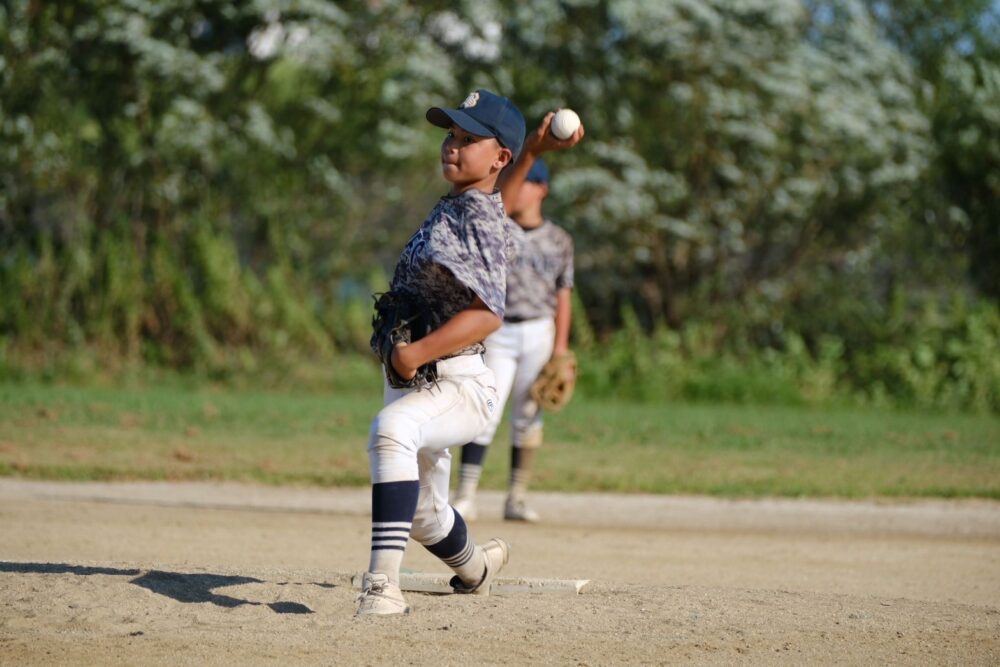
(470, 101)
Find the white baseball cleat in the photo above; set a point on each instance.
(379, 597)
(496, 553)
(466, 506)
(517, 510)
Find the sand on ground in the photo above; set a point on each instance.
(216, 573)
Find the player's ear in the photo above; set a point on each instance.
(504, 157)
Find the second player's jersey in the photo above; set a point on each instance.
(460, 251)
(543, 265)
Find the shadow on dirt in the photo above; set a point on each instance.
(180, 586)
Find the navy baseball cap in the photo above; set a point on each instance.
(485, 114)
(539, 172)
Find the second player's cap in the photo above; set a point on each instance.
(539, 172)
(485, 114)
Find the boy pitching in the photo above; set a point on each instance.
(456, 266)
(536, 326)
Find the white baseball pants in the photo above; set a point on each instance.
(410, 436)
(516, 353)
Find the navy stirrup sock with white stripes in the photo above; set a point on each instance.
(473, 453)
(459, 552)
(472, 468)
(393, 507)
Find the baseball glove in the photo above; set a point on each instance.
(400, 320)
(555, 383)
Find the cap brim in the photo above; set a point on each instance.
(447, 117)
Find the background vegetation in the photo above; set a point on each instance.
(777, 201)
(182, 431)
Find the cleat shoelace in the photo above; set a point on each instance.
(375, 590)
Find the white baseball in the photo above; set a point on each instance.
(565, 123)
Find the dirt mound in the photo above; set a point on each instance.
(231, 574)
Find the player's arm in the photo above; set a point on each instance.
(467, 327)
(536, 143)
(564, 316)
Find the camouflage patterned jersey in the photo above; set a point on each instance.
(460, 251)
(543, 265)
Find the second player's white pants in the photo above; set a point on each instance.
(409, 438)
(516, 353)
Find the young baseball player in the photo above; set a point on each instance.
(456, 266)
(536, 325)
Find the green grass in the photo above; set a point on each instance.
(178, 431)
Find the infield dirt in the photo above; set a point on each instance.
(174, 574)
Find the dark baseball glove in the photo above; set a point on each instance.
(400, 320)
(555, 383)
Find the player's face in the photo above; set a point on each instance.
(468, 160)
(529, 197)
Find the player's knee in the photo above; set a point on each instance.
(393, 433)
(485, 438)
(530, 437)
(429, 525)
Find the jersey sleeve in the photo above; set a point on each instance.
(472, 245)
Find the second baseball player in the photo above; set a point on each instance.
(536, 326)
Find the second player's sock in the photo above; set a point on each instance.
(522, 460)
(393, 507)
(460, 553)
(471, 469)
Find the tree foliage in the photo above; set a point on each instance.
(955, 46)
(204, 184)
(737, 147)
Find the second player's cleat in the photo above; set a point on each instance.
(517, 510)
(466, 506)
(379, 597)
(496, 553)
